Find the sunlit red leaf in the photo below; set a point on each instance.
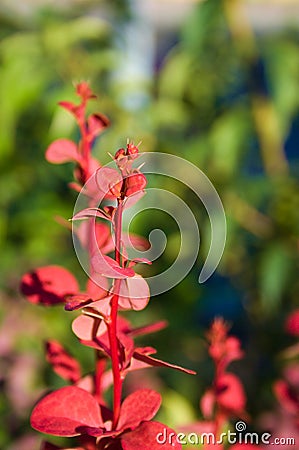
(96, 123)
(77, 301)
(134, 183)
(151, 328)
(230, 393)
(131, 240)
(96, 291)
(108, 267)
(90, 212)
(84, 91)
(207, 403)
(292, 323)
(137, 407)
(141, 356)
(286, 396)
(64, 411)
(109, 181)
(134, 198)
(62, 151)
(147, 435)
(134, 293)
(87, 328)
(62, 362)
(48, 285)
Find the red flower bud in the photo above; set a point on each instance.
(120, 154)
(132, 150)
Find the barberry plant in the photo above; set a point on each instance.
(80, 409)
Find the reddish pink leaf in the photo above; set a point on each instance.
(130, 201)
(96, 123)
(158, 363)
(105, 242)
(135, 261)
(48, 285)
(151, 328)
(207, 403)
(230, 393)
(108, 267)
(286, 396)
(84, 91)
(62, 151)
(137, 407)
(62, 412)
(87, 328)
(95, 291)
(244, 447)
(63, 363)
(134, 293)
(91, 212)
(48, 446)
(109, 181)
(131, 240)
(77, 301)
(292, 323)
(134, 183)
(150, 436)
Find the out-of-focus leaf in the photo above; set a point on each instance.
(274, 272)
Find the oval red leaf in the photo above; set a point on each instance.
(137, 407)
(48, 285)
(62, 412)
(62, 151)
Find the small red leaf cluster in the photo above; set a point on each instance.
(226, 398)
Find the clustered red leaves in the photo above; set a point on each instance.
(286, 389)
(226, 398)
(72, 411)
(80, 409)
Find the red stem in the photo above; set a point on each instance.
(99, 370)
(112, 323)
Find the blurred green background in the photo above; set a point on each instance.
(215, 82)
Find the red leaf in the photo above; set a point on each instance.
(62, 412)
(292, 323)
(48, 446)
(95, 291)
(108, 267)
(63, 363)
(230, 393)
(158, 363)
(137, 407)
(134, 183)
(130, 201)
(84, 91)
(48, 285)
(207, 403)
(150, 436)
(244, 447)
(109, 181)
(151, 328)
(62, 151)
(91, 212)
(87, 328)
(77, 301)
(287, 396)
(131, 240)
(96, 123)
(134, 293)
